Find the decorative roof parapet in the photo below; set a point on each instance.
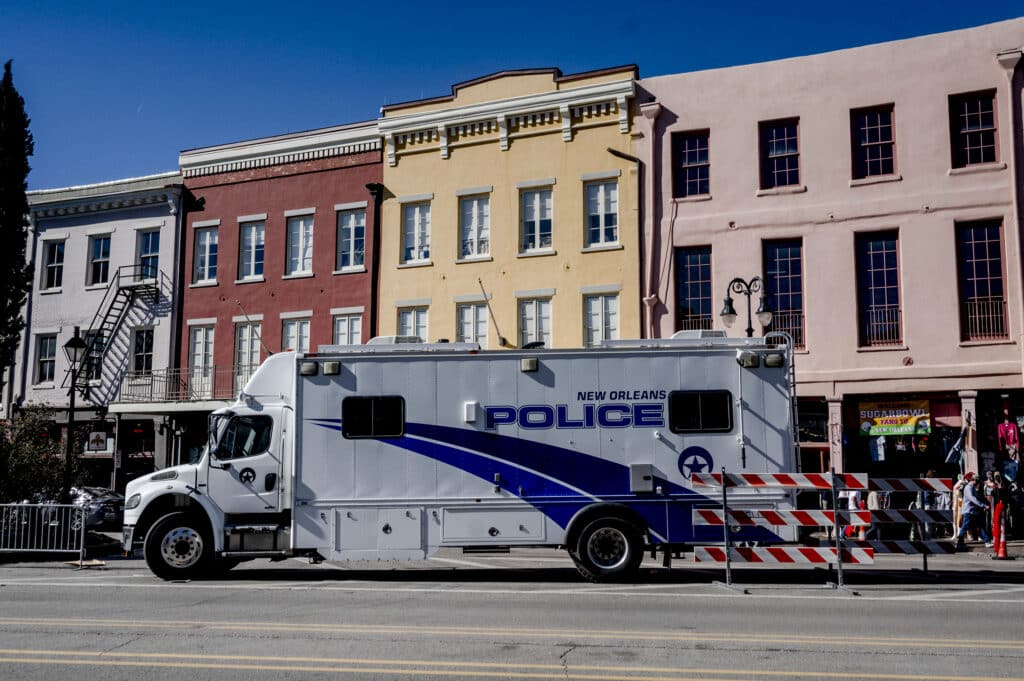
(104, 196)
(290, 148)
(507, 114)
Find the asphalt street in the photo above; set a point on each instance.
(522, 615)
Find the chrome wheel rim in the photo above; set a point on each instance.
(608, 548)
(181, 547)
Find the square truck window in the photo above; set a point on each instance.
(700, 411)
(371, 417)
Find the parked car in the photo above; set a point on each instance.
(104, 508)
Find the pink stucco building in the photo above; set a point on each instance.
(876, 191)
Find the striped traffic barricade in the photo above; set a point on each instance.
(821, 481)
(902, 546)
(911, 484)
(787, 555)
(764, 518)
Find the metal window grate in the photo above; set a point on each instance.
(980, 273)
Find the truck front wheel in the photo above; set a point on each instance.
(608, 549)
(179, 547)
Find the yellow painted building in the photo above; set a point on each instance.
(510, 212)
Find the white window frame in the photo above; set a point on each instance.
(413, 320)
(351, 241)
(299, 246)
(50, 359)
(246, 352)
(92, 363)
(247, 258)
(353, 325)
(204, 249)
(201, 340)
(415, 232)
(295, 335)
(53, 265)
(147, 272)
(471, 323)
(607, 200)
(94, 260)
(136, 333)
(607, 318)
(474, 226)
(531, 321)
(532, 237)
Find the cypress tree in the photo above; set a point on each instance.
(15, 275)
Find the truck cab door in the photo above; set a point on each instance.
(244, 473)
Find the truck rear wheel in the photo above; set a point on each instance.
(608, 549)
(178, 546)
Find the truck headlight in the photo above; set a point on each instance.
(133, 501)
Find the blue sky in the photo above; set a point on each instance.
(117, 89)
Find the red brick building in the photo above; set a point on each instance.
(278, 252)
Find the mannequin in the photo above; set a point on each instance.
(1009, 443)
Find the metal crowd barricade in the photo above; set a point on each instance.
(843, 551)
(42, 528)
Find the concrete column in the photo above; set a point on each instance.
(835, 433)
(968, 411)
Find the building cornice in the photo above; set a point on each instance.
(164, 188)
(546, 107)
(270, 151)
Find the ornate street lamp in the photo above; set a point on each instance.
(739, 285)
(75, 350)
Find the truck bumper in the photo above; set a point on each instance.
(126, 539)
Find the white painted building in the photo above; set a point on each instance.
(105, 258)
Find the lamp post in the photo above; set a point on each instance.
(75, 350)
(747, 288)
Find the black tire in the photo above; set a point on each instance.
(608, 549)
(179, 546)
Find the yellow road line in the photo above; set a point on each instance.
(452, 669)
(601, 634)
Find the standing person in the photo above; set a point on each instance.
(926, 502)
(989, 487)
(958, 502)
(973, 513)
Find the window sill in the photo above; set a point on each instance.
(204, 284)
(602, 247)
(885, 348)
(350, 270)
(696, 198)
(977, 168)
(298, 275)
(250, 280)
(983, 343)
(50, 291)
(780, 191)
(474, 258)
(44, 386)
(96, 287)
(540, 252)
(878, 179)
(415, 263)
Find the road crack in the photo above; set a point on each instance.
(133, 639)
(565, 663)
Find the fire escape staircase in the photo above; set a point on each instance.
(129, 284)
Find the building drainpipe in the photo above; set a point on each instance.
(26, 344)
(177, 207)
(376, 190)
(639, 224)
(649, 117)
(1008, 60)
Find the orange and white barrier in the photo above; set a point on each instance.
(785, 480)
(791, 555)
(912, 484)
(765, 518)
